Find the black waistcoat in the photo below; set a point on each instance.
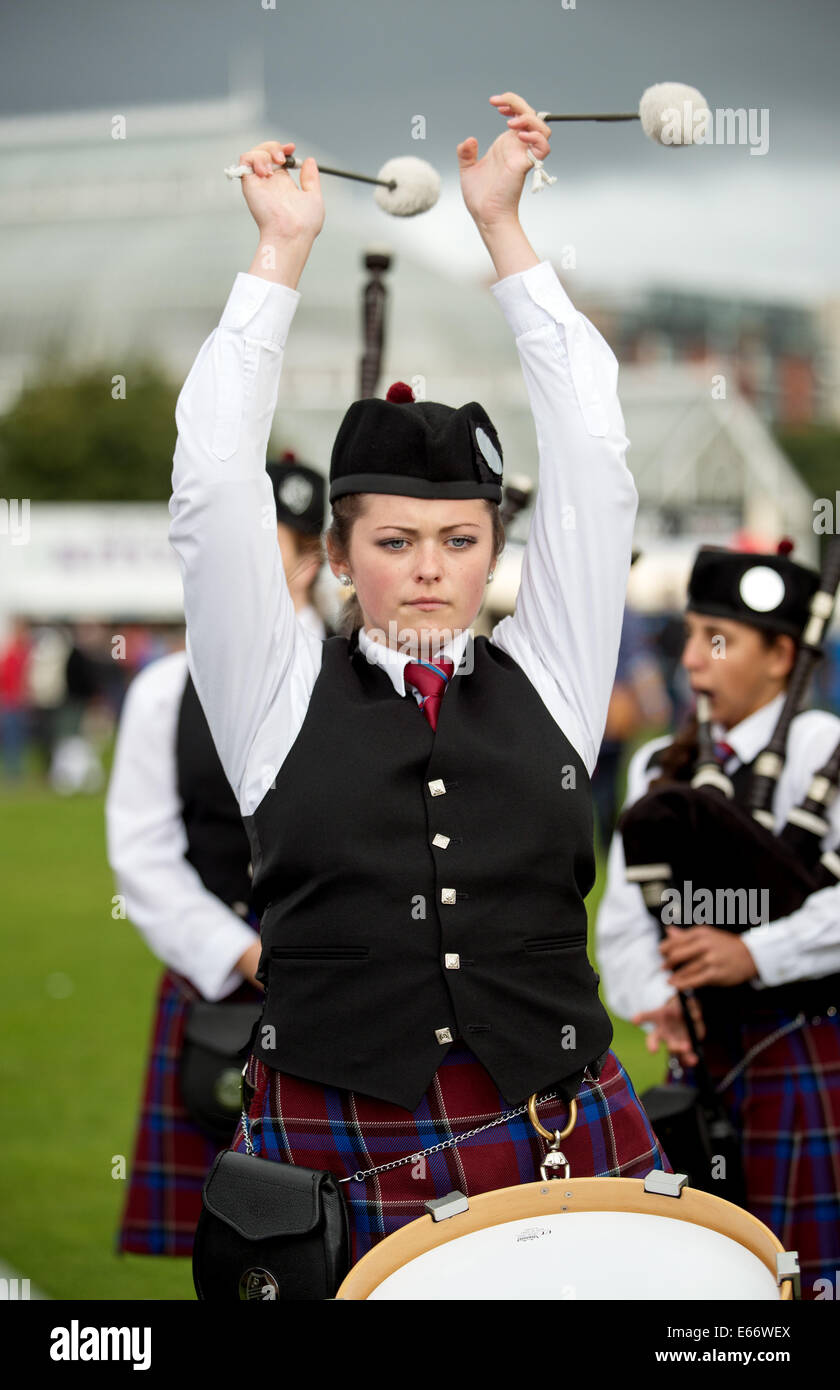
(217, 841)
(726, 1007)
(365, 960)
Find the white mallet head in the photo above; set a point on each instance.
(673, 114)
(418, 186)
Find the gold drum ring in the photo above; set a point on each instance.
(547, 1133)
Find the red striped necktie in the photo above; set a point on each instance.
(430, 680)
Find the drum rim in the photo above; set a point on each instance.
(528, 1200)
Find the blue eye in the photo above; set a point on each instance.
(468, 540)
(394, 541)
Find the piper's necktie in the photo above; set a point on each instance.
(723, 752)
(430, 680)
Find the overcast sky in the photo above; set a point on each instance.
(352, 76)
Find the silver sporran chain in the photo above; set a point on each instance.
(445, 1143)
(421, 1153)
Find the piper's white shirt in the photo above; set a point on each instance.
(183, 923)
(254, 668)
(801, 946)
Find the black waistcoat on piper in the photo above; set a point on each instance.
(416, 881)
(217, 841)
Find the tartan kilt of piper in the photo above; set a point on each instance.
(344, 1132)
(172, 1156)
(785, 1105)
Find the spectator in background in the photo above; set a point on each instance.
(14, 664)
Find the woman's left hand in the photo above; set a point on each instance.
(700, 956)
(492, 185)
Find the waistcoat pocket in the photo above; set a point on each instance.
(554, 943)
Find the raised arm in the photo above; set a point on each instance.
(243, 644)
(567, 625)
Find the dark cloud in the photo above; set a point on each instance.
(354, 74)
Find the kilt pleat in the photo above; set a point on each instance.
(172, 1155)
(786, 1106)
(344, 1132)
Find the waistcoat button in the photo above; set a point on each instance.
(437, 788)
(441, 841)
(443, 1035)
(452, 962)
(448, 895)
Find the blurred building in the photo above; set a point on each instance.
(784, 359)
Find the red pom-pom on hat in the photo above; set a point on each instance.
(400, 393)
(785, 546)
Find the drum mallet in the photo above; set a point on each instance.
(405, 186)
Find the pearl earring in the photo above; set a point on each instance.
(490, 576)
(344, 579)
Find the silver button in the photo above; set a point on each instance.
(448, 896)
(437, 788)
(441, 841)
(452, 962)
(250, 869)
(443, 1035)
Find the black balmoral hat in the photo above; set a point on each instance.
(299, 494)
(766, 591)
(416, 449)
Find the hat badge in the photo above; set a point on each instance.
(295, 492)
(489, 452)
(762, 588)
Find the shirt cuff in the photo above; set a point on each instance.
(216, 974)
(260, 309)
(534, 298)
(774, 951)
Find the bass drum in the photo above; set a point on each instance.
(577, 1238)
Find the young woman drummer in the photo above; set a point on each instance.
(779, 1074)
(423, 927)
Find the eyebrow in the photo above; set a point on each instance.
(412, 531)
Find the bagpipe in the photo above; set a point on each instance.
(698, 834)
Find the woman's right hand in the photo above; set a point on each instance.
(282, 210)
(669, 1028)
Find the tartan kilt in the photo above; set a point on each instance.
(344, 1132)
(172, 1155)
(786, 1107)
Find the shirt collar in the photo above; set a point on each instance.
(394, 662)
(753, 733)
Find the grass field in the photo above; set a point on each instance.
(77, 991)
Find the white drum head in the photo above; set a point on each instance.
(603, 1255)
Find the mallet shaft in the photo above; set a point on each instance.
(292, 162)
(624, 116)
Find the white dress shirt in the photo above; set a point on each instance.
(183, 923)
(802, 945)
(253, 666)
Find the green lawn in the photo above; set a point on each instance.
(77, 993)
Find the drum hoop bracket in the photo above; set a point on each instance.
(665, 1184)
(787, 1267)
